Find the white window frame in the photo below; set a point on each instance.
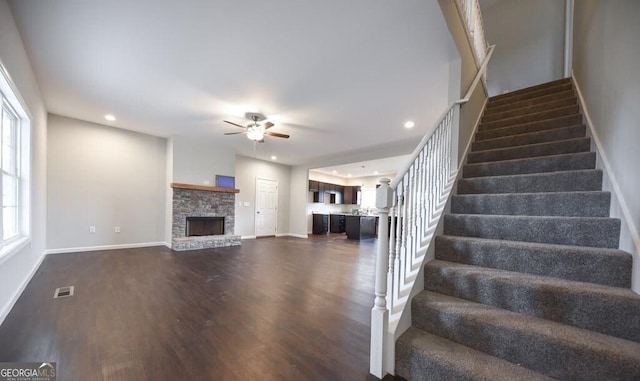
(10, 97)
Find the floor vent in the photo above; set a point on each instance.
(63, 292)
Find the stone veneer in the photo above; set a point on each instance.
(202, 203)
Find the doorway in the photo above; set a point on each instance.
(266, 207)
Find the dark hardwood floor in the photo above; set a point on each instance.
(272, 309)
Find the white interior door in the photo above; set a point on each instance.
(266, 207)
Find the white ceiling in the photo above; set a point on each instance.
(338, 76)
(378, 167)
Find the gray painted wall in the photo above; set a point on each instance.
(247, 170)
(529, 38)
(16, 271)
(196, 161)
(605, 67)
(104, 177)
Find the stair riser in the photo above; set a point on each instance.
(542, 86)
(530, 102)
(519, 111)
(534, 150)
(531, 138)
(598, 232)
(424, 356)
(529, 95)
(529, 118)
(585, 181)
(526, 128)
(615, 316)
(534, 204)
(532, 350)
(600, 266)
(585, 160)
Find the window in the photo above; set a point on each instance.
(15, 127)
(10, 180)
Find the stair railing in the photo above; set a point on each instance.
(413, 203)
(470, 12)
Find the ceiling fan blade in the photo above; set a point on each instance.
(268, 125)
(235, 133)
(276, 135)
(235, 124)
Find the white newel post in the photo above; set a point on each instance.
(380, 312)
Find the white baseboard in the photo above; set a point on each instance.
(248, 237)
(105, 247)
(7, 308)
(619, 208)
(292, 235)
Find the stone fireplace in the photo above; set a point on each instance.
(203, 217)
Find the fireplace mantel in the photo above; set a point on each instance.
(204, 188)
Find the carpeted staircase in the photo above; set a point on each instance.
(527, 282)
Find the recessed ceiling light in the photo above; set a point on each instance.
(110, 117)
(409, 124)
(349, 175)
(334, 171)
(274, 157)
(375, 172)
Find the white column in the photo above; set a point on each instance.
(380, 313)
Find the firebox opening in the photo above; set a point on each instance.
(199, 226)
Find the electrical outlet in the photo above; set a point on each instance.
(117, 229)
(206, 182)
(92, 229)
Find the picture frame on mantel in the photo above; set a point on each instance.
(225, 181)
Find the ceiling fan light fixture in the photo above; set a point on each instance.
(255, 133)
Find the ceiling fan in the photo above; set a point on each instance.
(255, 130)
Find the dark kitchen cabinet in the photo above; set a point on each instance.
(350, 195)
(320, 223)
(337, 223)
(313, 186)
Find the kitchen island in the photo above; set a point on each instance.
(360, 227)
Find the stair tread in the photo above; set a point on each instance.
(546, 85)
(565, 94)
(506, 121)
(530, 145)
(610, 267)
(528, 135)
(585, 231)
(531, 217)
(526, 175)
(552, 246)
(556, 147)
(465, 362)
(539, 280)
(525, 194)
(529, 94)
(530, 160)
(510, 334)
(503, 131)
(535, 108)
